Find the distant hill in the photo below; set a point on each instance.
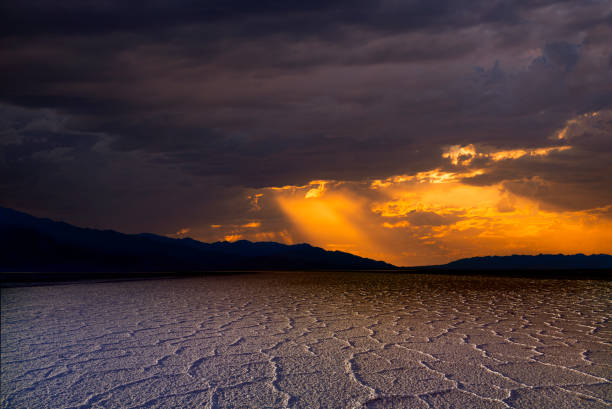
(539, 262)
(28, 243)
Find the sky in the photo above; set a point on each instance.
(414, 131)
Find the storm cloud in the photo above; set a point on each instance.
(163, 115)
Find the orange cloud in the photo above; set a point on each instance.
(437, 215)
(314, 188)
(461, 155)
(318, 190)
(432, 217)
(430, 176)
(519, 153)
(464, 155)
(232, 237)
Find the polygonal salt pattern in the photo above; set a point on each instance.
(304, 340)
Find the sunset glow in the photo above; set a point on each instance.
(439, 215)
(476, 202)
(402, 131)
(306, 204)
(416, 222)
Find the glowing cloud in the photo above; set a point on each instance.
(461, 155)
(519, 153)
(316, 191)
(232, 237)
(464, 155)
(437, 215)
(316, 188)
(431, 176)
(436, 176)
(433, 217)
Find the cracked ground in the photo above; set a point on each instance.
(307, 340)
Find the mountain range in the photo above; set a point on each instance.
(32, 244)
(537, 262)
(28, 243)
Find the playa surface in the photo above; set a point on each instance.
(304, 340)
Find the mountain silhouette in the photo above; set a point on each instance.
(538, 262)
(32, 244)
(28, 243)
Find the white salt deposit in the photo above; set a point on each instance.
(309, 340)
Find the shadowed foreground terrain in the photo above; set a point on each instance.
(303, 340)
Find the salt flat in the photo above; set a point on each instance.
(308, 340)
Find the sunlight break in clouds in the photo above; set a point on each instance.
(416, 222)
(436, 216)
(335, 221)
(475, 200)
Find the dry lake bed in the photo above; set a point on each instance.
(309, 340)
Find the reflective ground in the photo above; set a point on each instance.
(308, 340)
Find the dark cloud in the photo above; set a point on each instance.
(577, 178)
(562, 54)
(262, 17)
(166, 104)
